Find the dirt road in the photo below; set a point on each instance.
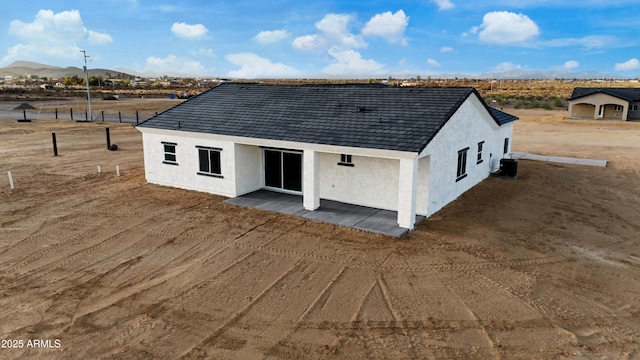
(109, 267)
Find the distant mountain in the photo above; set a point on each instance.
(548, 75)
(31, 65)
(125, 70)
(27, 68)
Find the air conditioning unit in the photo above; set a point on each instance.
(508, 168)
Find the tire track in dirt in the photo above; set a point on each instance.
(490, 341)
(108, 301)
(180, 258)
(229, 321)
(78, 238)
(613, 322)
(396, 315)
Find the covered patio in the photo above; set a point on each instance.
(332, 212)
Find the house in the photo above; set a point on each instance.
(409, 150)
(605, 103)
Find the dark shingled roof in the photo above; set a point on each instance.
(367, 116)
(628, 94)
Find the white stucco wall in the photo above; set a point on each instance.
(370, 182)
(470, 125)
(249, 170)
(184, 175)
(422, 194)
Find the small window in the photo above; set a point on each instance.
(634, 107)
(462, 164)
(617, 108)
(480, 146)
(506, 146)
(345, 160)
(209, 160)
(169, 153)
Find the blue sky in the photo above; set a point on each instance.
(322, 38)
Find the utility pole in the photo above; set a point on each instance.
(86, 76)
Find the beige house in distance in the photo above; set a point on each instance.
(605, 104)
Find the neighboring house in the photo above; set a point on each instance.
(410, 150)
(605, 103)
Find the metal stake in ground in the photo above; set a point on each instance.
(108, 138)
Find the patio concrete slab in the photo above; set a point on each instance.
(332, 212)
(384, 222)
(265, 200)
(338, 213)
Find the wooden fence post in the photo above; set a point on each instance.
(55, 144)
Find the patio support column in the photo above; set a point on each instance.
(407, 189)
(310, 180)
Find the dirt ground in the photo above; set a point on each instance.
(95, 265)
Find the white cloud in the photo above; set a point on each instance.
(174, 65)
(446, 49)
(266, 37)
(444, 4)
(189, 32)
(350, 62)
(333, 31)
(49, 27)
(205, 52)
(99, 38)
(506, 66)
(308, 42)
(571, 64)
(254, 66)
(589, 42)
(388, 26)
(37, 52)
(503, 27)
(632, 64)
(432, 62)
(51, 36)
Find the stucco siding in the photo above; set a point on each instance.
(370, 182)
(589, 107)
(249, 169)
(422, 193)
(185, 174)
(470, 125)
(583, 110)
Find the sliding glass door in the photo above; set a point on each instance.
(283, 170)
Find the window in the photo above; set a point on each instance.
(169, 153)
(506, 146)
(345, 160)
(480, 146)
(209, 161)
(617, 108)
(633, 107)
(462, 164)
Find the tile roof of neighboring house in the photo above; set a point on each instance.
(367, 116)
(628, 94)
